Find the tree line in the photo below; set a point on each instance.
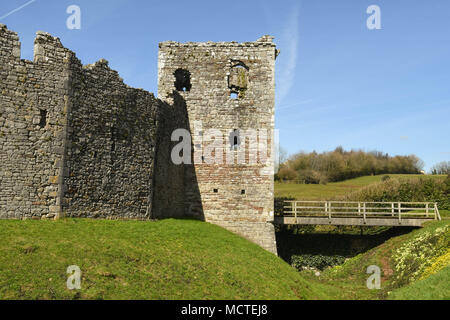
(339, 165)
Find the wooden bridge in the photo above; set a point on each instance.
(406, 214)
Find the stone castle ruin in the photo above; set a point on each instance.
(75, 141)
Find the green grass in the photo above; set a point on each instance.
(435, 287)
(169, 259)
(333, 190)
(348, 281)
(445, 214)
(181, 259)
(184, 259)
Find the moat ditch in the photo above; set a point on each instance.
(319, 247)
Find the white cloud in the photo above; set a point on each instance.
(287, 64)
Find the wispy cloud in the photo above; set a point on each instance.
(289, 42)
(300, 103)
(17, 9)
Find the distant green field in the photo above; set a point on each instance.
(333, 189)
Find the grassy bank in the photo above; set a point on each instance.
(434, 287)
(170, 259)
(403, 261)
(184, 259)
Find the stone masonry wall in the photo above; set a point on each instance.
(228, 87)
(32, 120)
(74, 140)
(111, 145)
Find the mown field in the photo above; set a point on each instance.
(333, 190)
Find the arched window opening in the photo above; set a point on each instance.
(182, 80)
(239, 64)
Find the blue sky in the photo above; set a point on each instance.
(338, 83)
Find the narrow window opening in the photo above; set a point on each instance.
(182, 80)
(113, 146)
(216, 190)
(95, 154)
(43, 118)
(235, 139)
(243, 191)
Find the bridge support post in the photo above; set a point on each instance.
(328, 207)
(364, 213)
(294, 207)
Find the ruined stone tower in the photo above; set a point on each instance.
(75, 141)
(229, 87)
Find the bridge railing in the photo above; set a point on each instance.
(364, 210)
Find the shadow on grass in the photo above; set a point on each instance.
(346, 242)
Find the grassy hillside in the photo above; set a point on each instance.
(184, 259)
(170, 259)
(403, 261)
(334, 190)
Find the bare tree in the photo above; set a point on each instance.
(441, 168)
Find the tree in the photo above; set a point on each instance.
(339, 165)
(441, 168)
(283, 155)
